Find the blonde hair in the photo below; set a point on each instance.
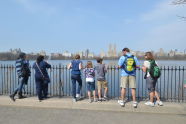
(89, 64)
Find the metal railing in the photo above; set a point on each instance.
(170, 85)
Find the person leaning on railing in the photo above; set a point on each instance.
(76, 65)
(41, 77)
(23, 72)
(128, 64)
(150, 80)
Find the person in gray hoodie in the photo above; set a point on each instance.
(101, 80)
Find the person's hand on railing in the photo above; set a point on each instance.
(69, 66)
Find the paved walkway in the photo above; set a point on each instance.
(33, 115)
(112, 105)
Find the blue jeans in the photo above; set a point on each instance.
(22, 81)
(90, 86)
(79, 80)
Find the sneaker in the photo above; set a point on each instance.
(90, 100)
(12, 97)
(21, 97)
(95, 100)
(121, 102)
(149, 104)
(77, 95)
(160, 103)
(135, 104)
(104, 98)
(99, 100)
(74, 100)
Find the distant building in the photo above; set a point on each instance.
(67, 54)
(42, 53)
(161, 52)
(55, 55)
(133, 52)
(81, 53)
(112, 50)
(171, 53)
(102, 54)
(15, 51)
(179, 53)
(33, 54)
(87, 53)
(91, 55)
(139, 53)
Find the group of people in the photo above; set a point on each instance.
(128, 64)
(90, 72)
(41, 76)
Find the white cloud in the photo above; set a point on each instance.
(166, 29)
(164, 10)
(34, 6)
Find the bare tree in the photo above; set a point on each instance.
(177, 2)
(180, 2)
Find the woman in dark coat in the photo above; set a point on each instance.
(41, 77)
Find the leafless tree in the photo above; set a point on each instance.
(177, 2)
(180, 2)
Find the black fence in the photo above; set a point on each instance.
(170, 85)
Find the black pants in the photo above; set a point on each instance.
(41, 88)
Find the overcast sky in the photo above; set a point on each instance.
(75, 25)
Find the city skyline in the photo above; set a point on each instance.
(111, 51)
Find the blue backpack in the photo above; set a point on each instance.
(129, 64)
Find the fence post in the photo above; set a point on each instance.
(60, 82)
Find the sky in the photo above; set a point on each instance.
(77, 25)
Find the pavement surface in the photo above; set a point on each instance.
(64, 111)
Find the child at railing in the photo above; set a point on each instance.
(89, 72)
(101, 80)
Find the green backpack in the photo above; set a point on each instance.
(154, 70)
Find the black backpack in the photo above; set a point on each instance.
(25, 70)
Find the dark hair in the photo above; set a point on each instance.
(126, 49)
(77, 56)
(99, 60)
(89, 64)
(39, 59)
(149, 56)
(22, 55)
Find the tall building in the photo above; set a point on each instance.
(87, 51)
(161, 52)
(112, 50)
(15, 51)
(102, 54)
